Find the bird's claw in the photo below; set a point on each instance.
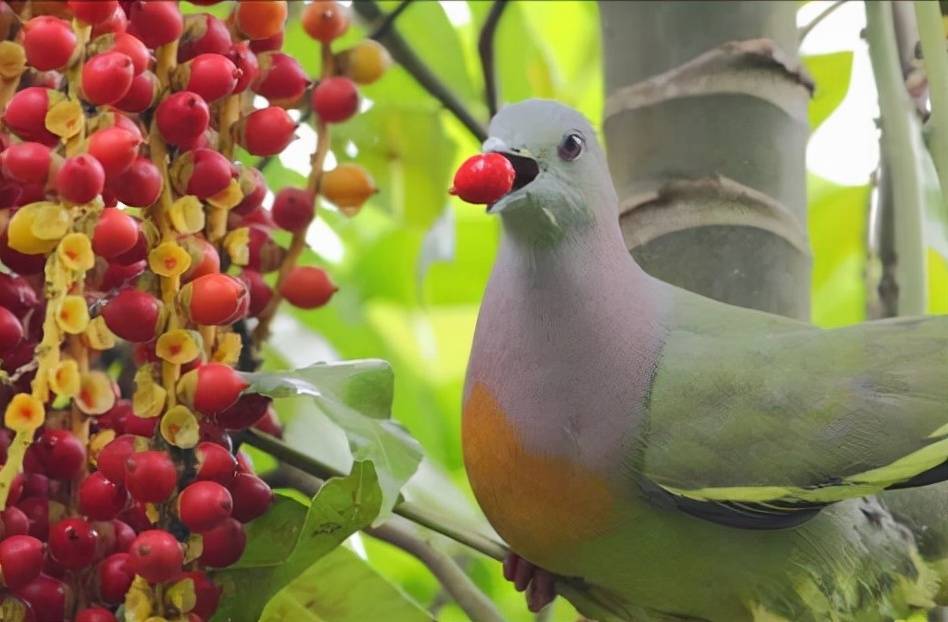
(537, 582)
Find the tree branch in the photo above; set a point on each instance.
(286, 454)
(474, 603)
(485, 47)
(813, 23)
(407, 58)
(931, 34)
(389, 21)
(901, 145)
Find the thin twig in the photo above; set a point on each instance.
(283, 452)
(813, 23)
(386, 25)
(485, 47)
(902, 146)
(475, 604)
(932, 36)
(369, 11)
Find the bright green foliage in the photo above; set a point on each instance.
(290, 538)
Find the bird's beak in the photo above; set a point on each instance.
(524, 163)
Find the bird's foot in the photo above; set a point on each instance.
(525, 576)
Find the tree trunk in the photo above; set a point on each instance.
(706, 129)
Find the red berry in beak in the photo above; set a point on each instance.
(484, 178)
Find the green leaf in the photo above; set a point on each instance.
(831, 74)
(341, 507)
(837, 217)
(341, 587)
(356, 396)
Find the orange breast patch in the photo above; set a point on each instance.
(542, 505)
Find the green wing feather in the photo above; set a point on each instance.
(750, 408)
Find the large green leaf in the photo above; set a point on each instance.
(837, 217)
(286, 541)
(341, 587)
(356, 396)
(831, 74)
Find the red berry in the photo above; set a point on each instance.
(293, 208)
(133, 315)
(115, 576)
(246, 411)
(15, 522)
(266, 132)
(115, 233)
(214, 463)
(202, 172)
(140, 426)
(251, 497)
(265, 254)
(100, 498)
(212, 76)
(260, 291)
(124, 535)
(115, 148)
(37, 511)
(49, 42)
(269, 44)
(484, 178)
(94, 614)
(246, 61)
(336, 99)
(132, 46)
(16, 294)
(137, 253)
(21, 560)
(115, 23)
(150, 476)
(80, 179)
(254, 187)
(215, 387)
(11, 330)
(93, 11)
(139, 185)
(182, 117)
(26, 115)
(203, 34)
(325, 20)
(136, 517)
(62, 453)
(260, 19)
(34, 484)
(270, 424)
(27, 162)
(204, 258)
(307, 287)
(155, 22)
(207, 594)
(281, 79)
(111, 460)
(204, 505)
(141, 95)
(46, 596)
(156, 556)
(117, 275)
(215, 299)
(224, 544)
(107, 77)
(72, 542)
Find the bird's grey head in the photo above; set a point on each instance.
(562, 185)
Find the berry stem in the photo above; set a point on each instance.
(167, 60)
(298, 242)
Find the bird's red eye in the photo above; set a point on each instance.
(571, 147)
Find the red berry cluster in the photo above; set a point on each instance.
(127, 225)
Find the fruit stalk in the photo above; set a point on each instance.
(298, 242)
